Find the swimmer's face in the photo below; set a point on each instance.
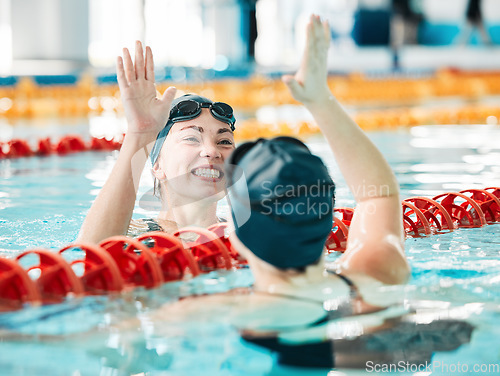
(191, 162)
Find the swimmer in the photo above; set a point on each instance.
(310, 315)
(289, 196)
(192, 138)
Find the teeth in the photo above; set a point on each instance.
(207, 173)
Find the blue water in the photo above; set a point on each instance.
(43, 202)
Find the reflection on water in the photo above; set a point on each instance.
(43, 202)
(123, 335)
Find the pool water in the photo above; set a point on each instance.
(43, 202)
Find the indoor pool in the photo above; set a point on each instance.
(43, 201)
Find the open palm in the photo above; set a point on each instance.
(146, 113)
(309, 83)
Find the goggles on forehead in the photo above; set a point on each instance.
(190, 109)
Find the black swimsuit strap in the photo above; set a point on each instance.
(352, 286)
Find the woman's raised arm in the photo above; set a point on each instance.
(146, 115)
(376, 237)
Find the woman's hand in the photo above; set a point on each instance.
(309, 84)
(146, 113)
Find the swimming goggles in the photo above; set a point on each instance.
(190, 109)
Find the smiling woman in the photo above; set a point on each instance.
(190, 136)
(188, 164)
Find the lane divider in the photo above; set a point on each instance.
(121, 263)
(423, 216)
(18, 148)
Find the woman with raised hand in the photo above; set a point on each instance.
(192, 137)
(282, 200)
(376, 236)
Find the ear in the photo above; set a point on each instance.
(158, 172)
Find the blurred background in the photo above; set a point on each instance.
(392, 62)
(70, 36)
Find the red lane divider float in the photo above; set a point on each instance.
(337, 239)
(464, 211)
(137, 264)
(44, 146)
(173, 258)
(438, 217)
(487, 201)
(207, 248)
(120, 262)
(415, 222)
(493, 190)
(221, 231)
(17, 148)
(70, 144)
(16, 287)
(54, 277)
(100, 274)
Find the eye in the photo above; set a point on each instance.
(191, 139)
(226, 142)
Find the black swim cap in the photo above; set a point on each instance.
(288, 198)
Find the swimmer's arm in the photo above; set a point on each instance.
(376, 237)
(112, 209)
(111, 212)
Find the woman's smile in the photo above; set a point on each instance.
(208, 173)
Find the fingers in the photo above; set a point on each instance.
(327, 31)
(120, 74)
(318, 31)
(312, 37)
(169, 94)
(142, 69)
(128, 66)
(140, 72)
(167, 98)
(292, 84)
(150, 66)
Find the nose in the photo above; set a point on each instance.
(210, 150)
